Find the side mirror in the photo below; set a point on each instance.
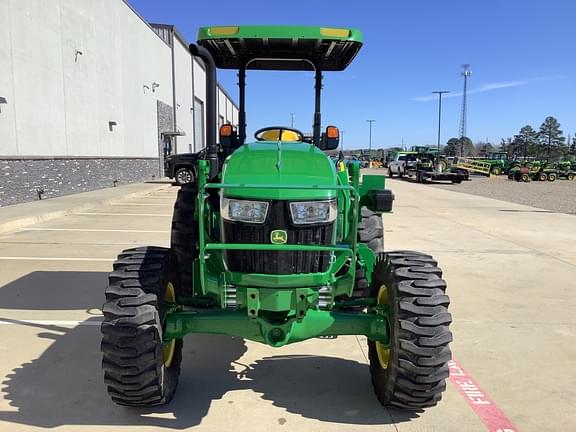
(330, 138)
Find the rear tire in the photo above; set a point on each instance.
(390, 173)
(496, 170)
(371, 230)
(543, 177)
(551, 177)
(570, 176)
(371, 233)
(412, 372)
(139, 368)
(184, 237)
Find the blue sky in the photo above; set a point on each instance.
(522, 57)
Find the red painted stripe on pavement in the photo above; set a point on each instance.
(477, 399)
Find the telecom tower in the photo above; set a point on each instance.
(466, 72)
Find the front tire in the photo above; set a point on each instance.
(411, 372)
(139, 368)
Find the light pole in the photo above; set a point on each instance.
(439, 93)
(370, 141)
(292, 116)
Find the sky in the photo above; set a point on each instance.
(521, 53)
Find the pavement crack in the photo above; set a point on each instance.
(361, 348)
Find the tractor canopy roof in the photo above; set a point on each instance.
(281, 47)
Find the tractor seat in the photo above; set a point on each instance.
(273, 135)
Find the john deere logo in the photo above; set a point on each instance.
(278, 236)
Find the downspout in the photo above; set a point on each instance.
(174, 93)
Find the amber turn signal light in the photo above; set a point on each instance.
(226, 130)
(332, 132)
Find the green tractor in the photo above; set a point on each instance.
(276, 244)
(566, 170)
(499, 163)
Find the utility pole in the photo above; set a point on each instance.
(440, 93)
(370, 139)
(465, 73)
(292, 116)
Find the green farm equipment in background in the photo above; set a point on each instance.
(500, 163)
(566, 169)
(277, 244)
(494, 163)
(535, 170)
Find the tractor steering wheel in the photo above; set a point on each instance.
(278, 133)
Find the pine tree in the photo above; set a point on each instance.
(526, 143)
(452, 147)
(552, 138)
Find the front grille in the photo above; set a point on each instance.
(277, 262)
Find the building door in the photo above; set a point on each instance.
(199, 124)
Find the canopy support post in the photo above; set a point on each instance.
(317, 112)
(242, 103)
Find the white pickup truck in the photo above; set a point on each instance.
(403, 164)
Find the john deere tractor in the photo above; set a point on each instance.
(277, 244)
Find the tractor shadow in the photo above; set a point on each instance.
(63, 385)
(328, 389)
(55, 290)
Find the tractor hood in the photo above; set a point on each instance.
(279, 164)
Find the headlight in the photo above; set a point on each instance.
(313, 212)
(244, 211)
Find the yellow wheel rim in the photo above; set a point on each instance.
(382, 351)
(169, 347)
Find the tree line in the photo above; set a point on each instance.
(548, 142)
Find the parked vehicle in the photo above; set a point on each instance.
(183, 167)
(403, 164)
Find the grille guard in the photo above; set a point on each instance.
(343, 251)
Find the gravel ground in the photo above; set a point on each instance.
(558, 196)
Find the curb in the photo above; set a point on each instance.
(17, 223)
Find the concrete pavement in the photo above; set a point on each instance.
(511, 276)
(21, 215)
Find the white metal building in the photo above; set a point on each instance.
(89, 86)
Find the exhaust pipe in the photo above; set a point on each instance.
(211, 107)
